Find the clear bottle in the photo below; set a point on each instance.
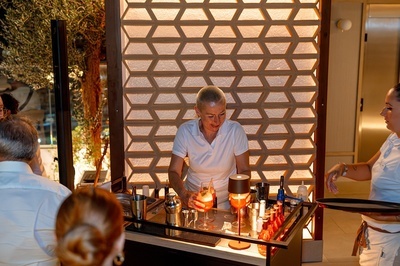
(302, 192)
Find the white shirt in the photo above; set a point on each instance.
(28, 208)
(215, 160)
(385, 181)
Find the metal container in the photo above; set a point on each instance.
(125, 200)
(173, 209)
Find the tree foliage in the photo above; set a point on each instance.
(27, 52)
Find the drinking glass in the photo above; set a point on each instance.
(206, 197)
(214, 194)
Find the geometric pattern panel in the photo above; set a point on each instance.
(262, 54)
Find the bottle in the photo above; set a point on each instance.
(145, 190)
(156, 193)
(261, 212)
(302, 192)
(280, 218)
(266, 234)
(259, 224)
(280, 198)
(253, 215)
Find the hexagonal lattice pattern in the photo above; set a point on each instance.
(263, 54)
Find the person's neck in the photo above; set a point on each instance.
(208, 135)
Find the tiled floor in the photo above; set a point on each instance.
(340, 227)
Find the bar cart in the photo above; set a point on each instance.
(157, 243)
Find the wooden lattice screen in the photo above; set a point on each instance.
(262, 54)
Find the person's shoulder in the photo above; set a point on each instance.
(393, 136)
(189, 125)
(45, 184)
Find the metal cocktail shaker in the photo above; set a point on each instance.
(173, 208)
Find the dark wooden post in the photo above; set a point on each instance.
(63, 109)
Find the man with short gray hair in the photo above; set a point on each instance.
(28, 202)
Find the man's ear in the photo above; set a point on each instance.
(196, 109)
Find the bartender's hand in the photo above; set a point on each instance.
(197, 203)
(331, 176)
(189, 198)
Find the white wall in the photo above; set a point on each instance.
(342, 103)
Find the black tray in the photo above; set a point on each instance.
(359, 205)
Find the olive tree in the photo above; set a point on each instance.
(27, 54)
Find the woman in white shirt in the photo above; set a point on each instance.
(214, 146)
(379, 234)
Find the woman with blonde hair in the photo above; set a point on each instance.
(89, 229)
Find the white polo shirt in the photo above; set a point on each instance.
(385, 182)
(28, 208)
(215, 160)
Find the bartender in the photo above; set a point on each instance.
(212, 146)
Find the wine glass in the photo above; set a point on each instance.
(205, 196)
(214, 194)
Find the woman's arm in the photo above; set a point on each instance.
(242, 164)
(357, 172)
(176, 180)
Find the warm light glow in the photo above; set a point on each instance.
(344, 24)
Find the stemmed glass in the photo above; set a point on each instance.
(214, 194)
(206, 197)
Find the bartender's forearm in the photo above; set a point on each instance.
(176, 183)
(245, 172)
(242, 164)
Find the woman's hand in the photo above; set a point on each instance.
(196, 202)
(331, 176)
(189, 199)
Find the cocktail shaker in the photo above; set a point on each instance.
(173, 209)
